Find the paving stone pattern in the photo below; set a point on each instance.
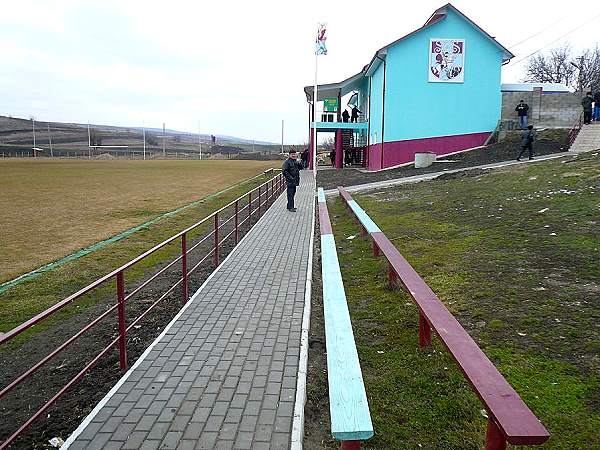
(224, 375)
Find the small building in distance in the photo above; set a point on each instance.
(436, 89)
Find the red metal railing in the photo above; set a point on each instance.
(574, 131)
(263, 199)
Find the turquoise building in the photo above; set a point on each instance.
(437, 89)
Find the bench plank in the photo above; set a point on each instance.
(349, 409)
(514, 418)
(511, 414)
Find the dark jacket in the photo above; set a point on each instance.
(345, 116)
(597, 99)
(522, 109)
(355, 112)
(527, 138)
(587, 103)
(291, 172)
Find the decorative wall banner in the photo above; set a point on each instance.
(447, 60)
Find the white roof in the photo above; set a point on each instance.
(528, 87)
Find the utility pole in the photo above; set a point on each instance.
(281, 136)
(164, 151)
(33, 125)
(50, 141)
(199, 142)
(144, 137)
(89, 143)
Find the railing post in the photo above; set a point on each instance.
(121, 311)
(236, 222)
(259, 200)
(424, 331)
(216, 252)
(350, 445)
(185, 286)
(249, 209)
(495, 440)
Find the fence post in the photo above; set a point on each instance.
(350, 445)
(494, 438)
(424, 331)
(216, 253)
(236, 222)
(185, 286)
(375, 250)
(121, 310)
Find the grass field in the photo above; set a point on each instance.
(51, 208)
(514, 255)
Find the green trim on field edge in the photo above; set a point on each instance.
(98, 245)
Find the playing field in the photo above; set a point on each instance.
(50, 208)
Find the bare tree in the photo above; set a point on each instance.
(553, 67)
(560, 66)
(328, 144)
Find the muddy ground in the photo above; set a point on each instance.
(62, 418)
(548, 142)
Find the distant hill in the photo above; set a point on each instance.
(71, 139)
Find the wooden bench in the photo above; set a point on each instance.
(509, 417)
(349, 409)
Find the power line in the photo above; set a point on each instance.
(556, 40)
(536, 34)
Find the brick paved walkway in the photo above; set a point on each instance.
(223, 374)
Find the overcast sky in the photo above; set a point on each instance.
(236, 67)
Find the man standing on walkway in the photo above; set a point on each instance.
(291, 172)
(521, 110)
(527, 142)
(586, 104)
(597, 105)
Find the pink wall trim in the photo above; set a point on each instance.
(400, 152)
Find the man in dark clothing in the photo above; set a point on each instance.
(332, 157)
(304, 158)
(291, 173)
(527, 142)
(521, 110)
(597, 106)
(586, 103)
(355, 113)
(345, 116)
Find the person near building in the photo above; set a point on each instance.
(527, 142)
(345, 116)
(291, 173)
(355, 113)
(304, 158)
(522, 109)
(586, 104)
(597, 106)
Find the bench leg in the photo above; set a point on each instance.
(350, 445)
(424, 331)
(494, 439)
(363, 231)
(375, 250)
(391, 276)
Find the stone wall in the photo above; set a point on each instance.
(554, 110)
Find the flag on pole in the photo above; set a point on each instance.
(320, 42)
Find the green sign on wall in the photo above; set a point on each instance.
(330, 104)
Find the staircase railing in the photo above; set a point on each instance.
(575, 129)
